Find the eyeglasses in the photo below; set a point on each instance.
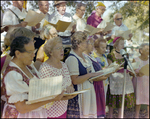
(119, 19)
(31, 52)
(59, 48)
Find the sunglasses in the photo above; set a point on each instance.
(119, 19)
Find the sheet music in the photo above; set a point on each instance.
(77, 92)
(91, 30)
(124, 34)
(108, 27)
(34, 18)
(60, 26)
(113, 66)
(40, 89)
(70, 26)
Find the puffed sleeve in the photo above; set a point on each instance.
(73, 66)
(16, 88)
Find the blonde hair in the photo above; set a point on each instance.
(77, 38)
(15, 32)
(50, 44)
(98, 41)
(45, 32)
(117, 41)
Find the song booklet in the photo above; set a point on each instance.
(110, 69)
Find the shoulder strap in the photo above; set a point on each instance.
(16, 15)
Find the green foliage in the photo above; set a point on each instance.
(139, 9)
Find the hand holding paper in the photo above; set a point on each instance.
(92, 30)
(124, 34)
(109, 27)
(60, 26)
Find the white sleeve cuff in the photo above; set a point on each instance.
(18, 97)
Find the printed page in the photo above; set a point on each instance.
(62, 25)
(124, 34)
(108, 27)
(70, 26)
(77, 92)
(46, 22)
(108, 70)
(34, 18)
(43, 89)
(145, 70)
(105, 72)
(91, 30)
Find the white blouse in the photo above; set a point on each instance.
(73, 65)
(15, 86)
(57, 108)
(81, 24)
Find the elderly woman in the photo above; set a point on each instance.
(98, 85)
(13, 33)
(15, 83)
(99, 54)
(47, 33)
(54, 67)
(114, 93)
(81, 68)
(142, 85)
(10, 36)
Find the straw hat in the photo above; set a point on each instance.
(58, 2)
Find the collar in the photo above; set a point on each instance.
(76, 17)
(60, 14)
(97, 17)
(119, 26)
(72, 52)
(16, 8)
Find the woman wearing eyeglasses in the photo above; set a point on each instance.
(81, 69)
(53, 66)
(15, 83)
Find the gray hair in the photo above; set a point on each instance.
(77, 38)
(142, 46)
(50, 44)
(79, 5)
(114, 16)
(17, 31)
(45, 34)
